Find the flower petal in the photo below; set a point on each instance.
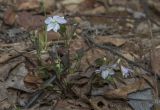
(125, 71)
(48, 20)
(104, 74)
(50, 26)
(60, 20)
(56, 27)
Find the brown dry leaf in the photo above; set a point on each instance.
(76, 79)
(77, 44)
(27, 4)
(3, 92)
(49, 4)
(155, 61)
(72, 8)
(71, 105)
(31, 21)
(6, 68)
(158, 47)
(9, 17)
(100, 102)
(117, 2)
(6, 56)
(90, 56)
(53, 36)
(16, 78)
(124, 91)
(34, 4)
(71, 5)
(87, 4)
(104, 104)
(82, 91)
(108, 39)
(5, 105)
(33, 79)
(154, 4)
(129, 56)
(142, 28)
(20, 47)
(97, 10)
(68, 2)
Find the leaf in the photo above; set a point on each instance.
(9, 17)
(71, 105)
(31, 21)
(124, 91)
(141, 100)
(16, 78)
(97, 10)
(76, 45)
(14, 47)
(6, 68)
(155, 61)
(67, 2)
(32, 79)
(34, 4)
(90, 57)
(106, 39)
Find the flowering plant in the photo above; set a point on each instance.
(53, 23)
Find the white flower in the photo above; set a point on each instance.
(125, 71)
(54, 23)
(106, 73)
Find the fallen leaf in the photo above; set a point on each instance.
(33, 79)
(16, 78)
(9, 17)
(6, 68)
(14, 47)
(87, 4)
(129, 56)
(49, 4)
(77, 44)
(124, 91)
(97, 10)
(142, 28)
(100, 102)
(112, 40)
(72, 5)
(141, 100)
(158, 46)
(117, 2)
(155, 61)
(27, 4)
(68, 2)
(34, 4)
(154, 4)
(90, 57)
(53, 36)
(5, 105)
(72, 8)
(31, 21)
(3, 92)
(71, 105)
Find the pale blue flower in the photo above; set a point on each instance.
(106, 73)
(54, 23)
(125, 71)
